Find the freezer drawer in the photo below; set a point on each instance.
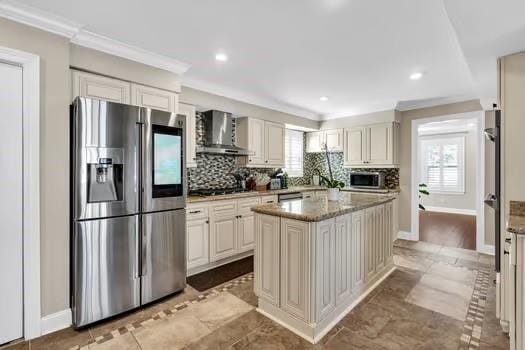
(105, 268)
(163, 254)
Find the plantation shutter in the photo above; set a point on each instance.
(293, 148)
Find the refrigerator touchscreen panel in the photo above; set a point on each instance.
(167, 161)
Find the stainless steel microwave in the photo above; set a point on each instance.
(367, 179)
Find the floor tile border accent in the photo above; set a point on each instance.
(471, 336)
(164, 313)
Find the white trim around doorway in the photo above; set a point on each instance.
(30, 64)
(480, 177)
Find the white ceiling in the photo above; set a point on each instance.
(286, 54)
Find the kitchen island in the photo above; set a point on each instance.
(316, 259)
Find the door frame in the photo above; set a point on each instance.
(480, 176)
(30, 64)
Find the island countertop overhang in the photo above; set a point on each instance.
(315, 210)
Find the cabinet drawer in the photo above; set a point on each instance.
(223, 208)
(307, 195)
(269, 199)
(244, 205)
(196, 212)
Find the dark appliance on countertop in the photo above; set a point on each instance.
(128, 198)
(364, 179)
(278, 180)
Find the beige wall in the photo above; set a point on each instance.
(405, 169)
(206, 100)
(54, 152)
(513, 125)
(465, 200)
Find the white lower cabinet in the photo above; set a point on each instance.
(294, 267)
(197, 253)
(246, 224)
(223, 230)
(266, 262)
(308, 274)
(343, 263)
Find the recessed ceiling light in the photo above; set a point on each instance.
(416, 76)
(221, 57)
(323, 98)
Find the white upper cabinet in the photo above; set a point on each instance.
(334, 140)
(316, 140)
(191, 138)
(372, 146)
(274, 144)
(264, 139)
(355, 146)
(162, 100)
(99, 87)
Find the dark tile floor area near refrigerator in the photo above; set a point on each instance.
(214, 277)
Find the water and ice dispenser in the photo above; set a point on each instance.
(105, 175)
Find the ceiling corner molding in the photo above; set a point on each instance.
(114, 47)
(253, 100)
(36, 18)
(407, 106)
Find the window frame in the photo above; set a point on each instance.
(441, 139)
(294, 172)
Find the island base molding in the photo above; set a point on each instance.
(315, 332)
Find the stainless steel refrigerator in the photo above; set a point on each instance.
(128, 194)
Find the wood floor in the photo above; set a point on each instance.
(451, 230)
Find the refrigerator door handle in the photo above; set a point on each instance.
(144, 246)
(137, 246)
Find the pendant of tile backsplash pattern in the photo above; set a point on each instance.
(219, 171)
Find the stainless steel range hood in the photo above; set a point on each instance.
(218, 135)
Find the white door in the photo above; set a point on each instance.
(274, 144)
(256, 141)
(11, 302)
(334, 140)
(314, 141)
(197, 253)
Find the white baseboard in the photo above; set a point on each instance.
(487, 249)
(55, 322)
(404, 235)
(451, 210)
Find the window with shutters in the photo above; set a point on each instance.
(293, 148)
(443, 163)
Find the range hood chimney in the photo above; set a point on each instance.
(218, 135)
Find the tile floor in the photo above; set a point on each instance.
(438, 298)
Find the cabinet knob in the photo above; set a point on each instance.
(249, 160)
(207, 221)
(266, 161)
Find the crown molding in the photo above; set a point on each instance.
(407, 106)
(114, 47)
(250, 99)
(48, 22)
(37, 18)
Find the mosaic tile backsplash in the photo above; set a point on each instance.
(219, 171)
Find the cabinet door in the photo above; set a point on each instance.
(246, 224)
(343, 255)
(256, 141)
(100, 88)
(321, 194)
(294, 267)
(389, 229)
(380, 236)
(380, 144)
(358, 249)
(314, 141)
(274, 144)
(370, 243)
(355, 146)
(162, 100)
(223, 230)
(197, 249)
(266, 261)
(334, 140)
(191, 137)
(325, 268)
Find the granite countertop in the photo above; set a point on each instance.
(292, 189)
(516, 218)
(321, 209)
